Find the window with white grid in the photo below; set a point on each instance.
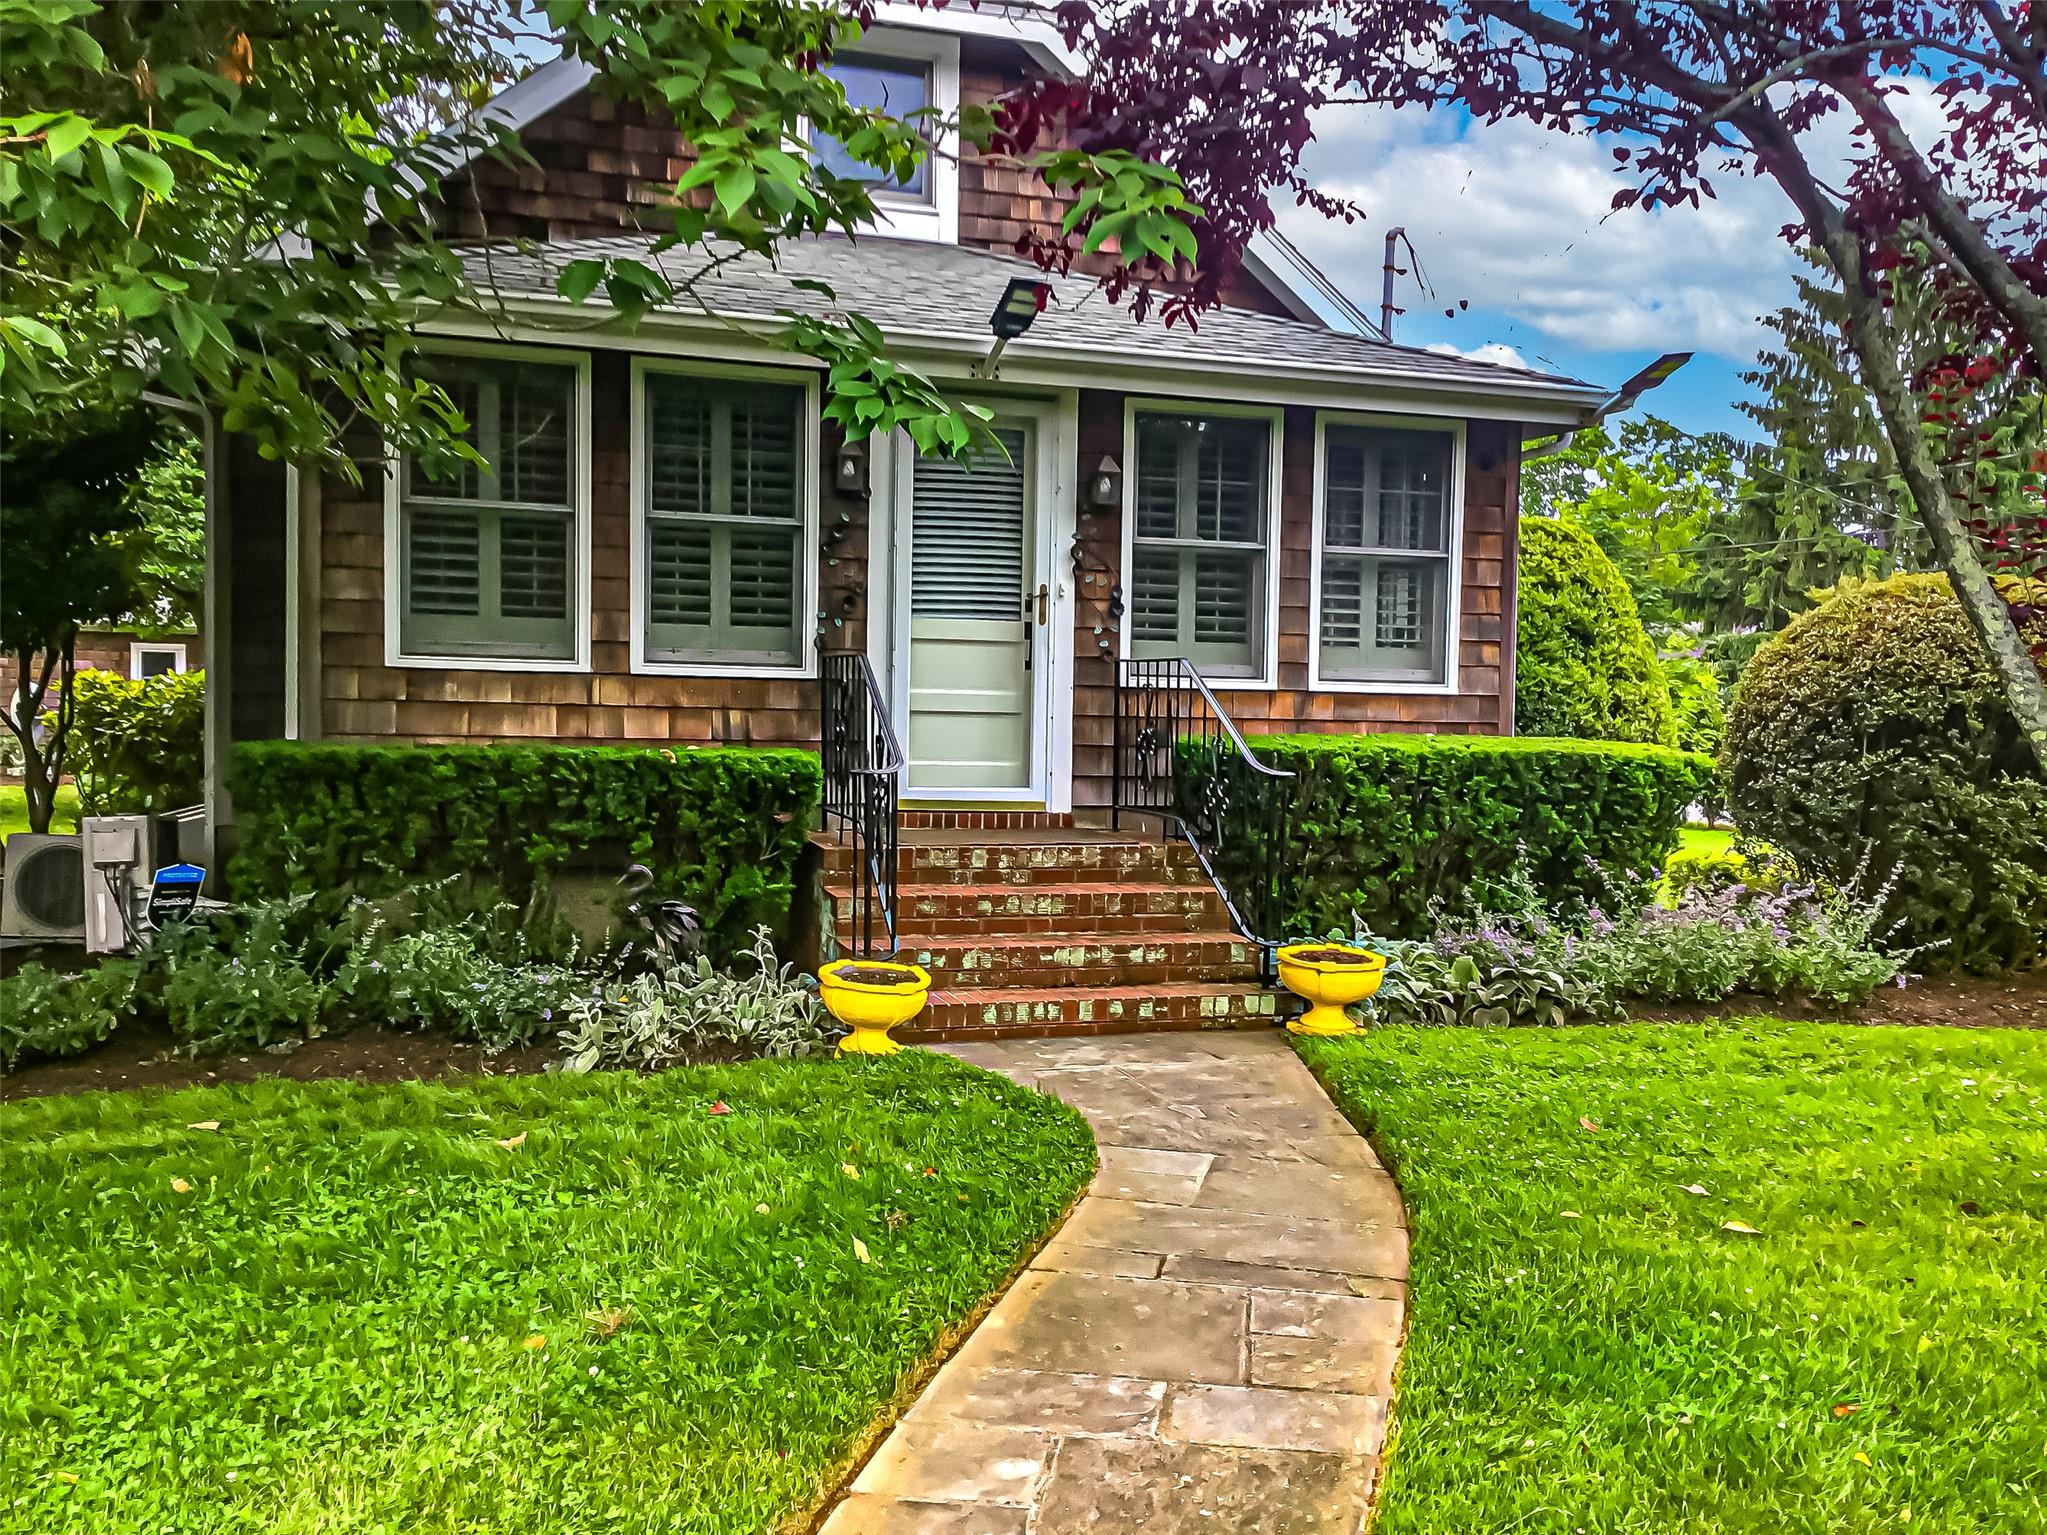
(1386, 555)
(1198, 558)
(487, 552)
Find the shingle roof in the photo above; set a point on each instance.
(914, 288)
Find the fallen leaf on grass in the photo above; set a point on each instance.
(1698, 1189)
(204, 1124)
(860, 1251)
(850, 1170)
(1861, 1459)
(1847, 1409)
(515, 1142)
(1569, 1215)
(180, 1186)
(538, 1340)
(608, 1320)
(1588, 1124)
(1740, 1228)
(760, 1209)
(720, 1107)
(68, 1478)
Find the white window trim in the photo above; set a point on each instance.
(579, 536)
(1134, 406)
(1453, 618)
(936, 218)
(137, 647)
(810, 478)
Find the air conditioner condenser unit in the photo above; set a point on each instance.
(44, 896)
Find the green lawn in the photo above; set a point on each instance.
(1706, 839)
(14, 810)
(524, 1305)
(1590, 1349)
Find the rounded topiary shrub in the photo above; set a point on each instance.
(1871, 741)
(1583, 664)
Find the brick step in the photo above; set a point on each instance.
(1136, 959)
(1004, 1012)
(1079, 911)
(1032, 863)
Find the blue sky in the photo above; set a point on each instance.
(1517, 222)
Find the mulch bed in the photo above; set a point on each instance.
(149, 1058)
(1969, 1002)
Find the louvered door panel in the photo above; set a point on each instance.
(967, 555)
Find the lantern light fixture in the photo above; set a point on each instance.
(849, 471)
(1104, 487)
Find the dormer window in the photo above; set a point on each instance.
(901, 70)
(895, 86)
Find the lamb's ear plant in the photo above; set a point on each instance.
(669, 1014)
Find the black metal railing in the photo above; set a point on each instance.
(1180, 757)
(862, 765)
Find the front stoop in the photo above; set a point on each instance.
(1059, 930)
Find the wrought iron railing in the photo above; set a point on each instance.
(1180, 757)
(862, 766)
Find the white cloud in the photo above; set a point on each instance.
(1491, 351)
(1519, 220)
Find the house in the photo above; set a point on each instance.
(671, 543)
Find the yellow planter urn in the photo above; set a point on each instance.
(870, 997)
(1329, 977)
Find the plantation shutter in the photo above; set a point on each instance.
(724, 520)
(486, 551)
(967, 559)
(1386, 558)
(1198, 577)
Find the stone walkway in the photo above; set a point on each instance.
(1208, 1343)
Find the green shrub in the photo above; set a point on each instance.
(51, 1013)
(138, 745)
(1391, 829)
(1695, 699)
(1754, 866)
(1583, 663)
(1870, 740)
(445, 977)
(722, 828)
(241, 979)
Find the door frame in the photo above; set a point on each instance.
(1053, 423)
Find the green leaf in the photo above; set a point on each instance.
(579, 279)
(734, 189)
(66, 134)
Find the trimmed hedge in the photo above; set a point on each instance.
(722, 828)
(138, 745)
(1870, 739)
(1583, 664)
(1387, 827)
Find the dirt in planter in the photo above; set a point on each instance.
(1334, 957)
(875, 975)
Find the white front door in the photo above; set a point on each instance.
(976, 604)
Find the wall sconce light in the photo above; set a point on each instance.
(1104, 489)
(849, 471)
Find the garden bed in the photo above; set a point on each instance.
(1764, 1276)
(680, 1301)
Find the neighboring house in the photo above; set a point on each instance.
(1323, 524)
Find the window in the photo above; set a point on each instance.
(149, 659)
(724, 525)
(1198, 556)
(895, 86)
(487, 564)
(1386, 555)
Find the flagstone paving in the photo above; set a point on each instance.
(1208, 1343)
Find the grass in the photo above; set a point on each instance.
(1706, 839)
(527, 1305)
(14, 810)
(1591, 1349)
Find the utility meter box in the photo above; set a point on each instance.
(117, 863)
